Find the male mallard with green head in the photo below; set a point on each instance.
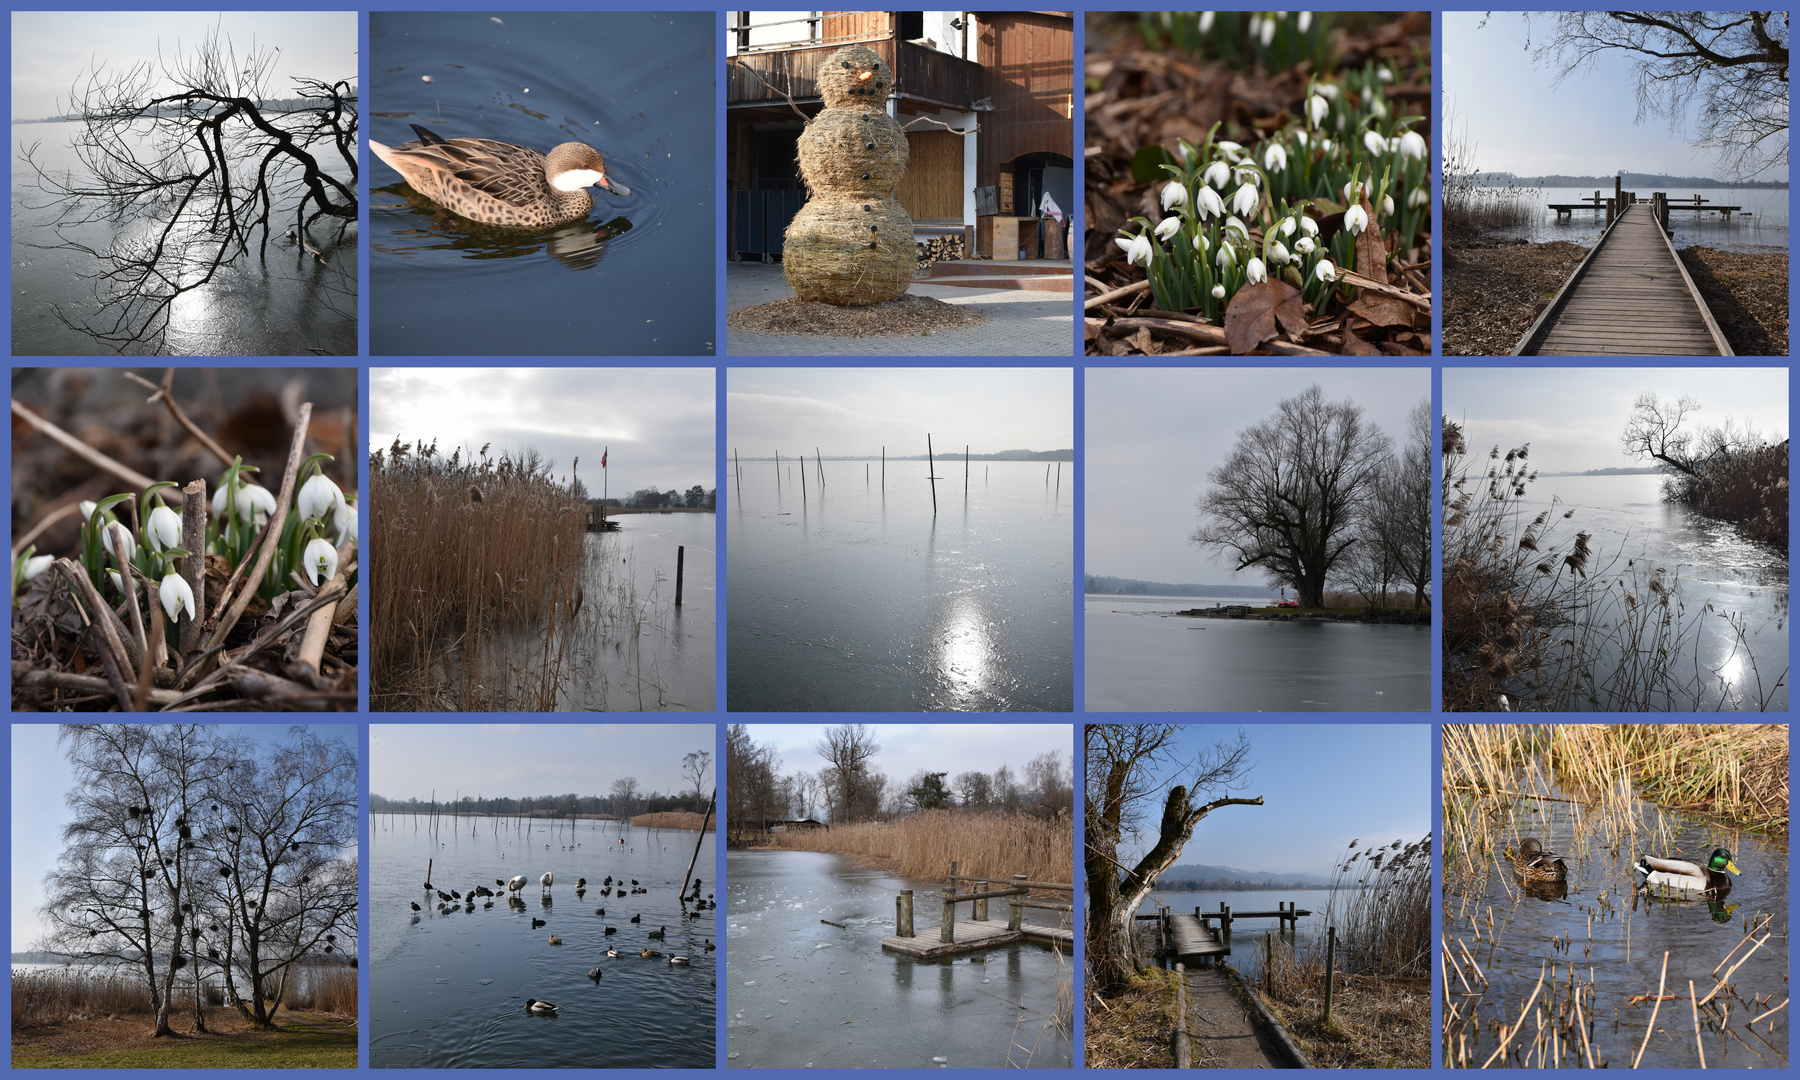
(1679, 875)
(1533, 863)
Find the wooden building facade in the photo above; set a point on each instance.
(986, 98)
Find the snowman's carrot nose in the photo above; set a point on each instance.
(865, 76)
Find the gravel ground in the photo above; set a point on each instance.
(909, 314)
(1491, 294)
(1748, 295)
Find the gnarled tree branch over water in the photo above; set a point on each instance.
(191, 164)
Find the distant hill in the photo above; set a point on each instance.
(1639, 182)
(1639, 470)
(1202, 874)
(1101, 585)
(944, 455)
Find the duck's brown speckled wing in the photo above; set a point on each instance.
(512, 174)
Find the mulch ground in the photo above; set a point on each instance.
(1494, 291)
(908, 315)
(1748, 295)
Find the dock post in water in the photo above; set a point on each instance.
(1330, 967)
(947, 928)
(739, 470)
(965, 469)
(931, 464)
(981, 909)
(1225, 925)
(680, 565)
(819, 459)
(778, 474)
(903, 914)
(802, 479)
(1015, 919)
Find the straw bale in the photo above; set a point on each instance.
(853, 152)
(849, 251)
(841, 81)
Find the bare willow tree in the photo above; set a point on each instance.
(1731, 66)
(1124, 765)
(188, 164)
(849, 747)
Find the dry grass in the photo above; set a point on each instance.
(676, 819)
(1749, 488)
(1376, 1023)
(923, 845)
(51, 997)
(471, 553)
(1471, 204)
(1134, 1028)
(325, 990)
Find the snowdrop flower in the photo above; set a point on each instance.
(253, 501)
(1300, 137)
(1233, 224)
(1168, 227)
(1218, 174)
(1304, 22)
(1254, 271)
(1330, 90)
(1244, 202)
(318, 497)
(1279, 254)
(1387, 205)
(1138, 249)
(1376, 108)
(1304, 245)
(164, 528)
(1226, 258)
(113, 576)
(1384, 75)
(1325, 145)
(1174, 195)
(320, 559)
(35, 566)
(1206, 21)
(344, 519)
(1275, 158)
(1268, 32)
(1234, 152)
(1246, 174)
(1325, 271)
(1412, 145)
(177, 594)
(1309, 226)
(1356, 219)
(1287, 226)
(1353, 191)
(1210, 203)
(1200, 243)
(1375, 143)
(1419, 196)
(87, 509)
(1218, 292)
(1316, 108)
(116, 536)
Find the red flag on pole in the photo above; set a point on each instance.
(603, 454)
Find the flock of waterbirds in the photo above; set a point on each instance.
(692, 904)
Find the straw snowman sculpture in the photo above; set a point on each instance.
(852, 243)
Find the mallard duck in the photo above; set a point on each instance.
(499, 183)
(1678, 875)
(678, 960)
(1535, 864)
(541, 1008)
(612, 952)
(649, 954)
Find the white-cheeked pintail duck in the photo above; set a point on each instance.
(499, 183)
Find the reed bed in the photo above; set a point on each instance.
(677, 819)
(1748, 488)
(924, 844)
(325, 989)
(1473, 204)
(480, 594)
(43, 998)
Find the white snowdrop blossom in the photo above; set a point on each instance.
(1325, 145)
(320, 560)
(1309, 226)
(1304, 245)
(1234, 152)
(1138, 249)
(1268, 33)
(1304, 21)
(1254, 271)
(1174, 195)
(176, 595)
(1412, 145)
(1287, 226)
(164, 529)
(1168, 227)
(1356, 219)
(117, 584)
(1377, 108)
(1218, 292)
(1275, 158)
(1210, 203)
(1419, 196)
(1226, 258)
(1218, 174)
(1206, 21)
(1375, 143)
(1244, 202)
(318, 497)
(1316, 108)
(344, 520)
(35, 566)
(1200, 243)
(1246, 174)
(1387, 205)
(87, 509)
(1352, 191)
(1234, 225)
(1325, 271)
(1384, 75)
(116, 536)
(1330, 90)
(1278, 254)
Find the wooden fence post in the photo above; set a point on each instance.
(903, 914)
(1268, 963)
(1225, 919)
(1330, 967)
(947, 928)
(981, 910)
(1183, 1049)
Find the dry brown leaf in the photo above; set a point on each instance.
(1383, 311)
(1258, 309)
(1371, 249)
(1355, 346)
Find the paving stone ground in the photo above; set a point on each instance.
(1020, 322)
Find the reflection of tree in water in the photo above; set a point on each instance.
(191, 179)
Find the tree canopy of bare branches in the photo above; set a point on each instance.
(1295, 483)
(195, 853)
(189, 164)
(1732, 67)
(849, 747)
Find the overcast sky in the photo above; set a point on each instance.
(519, 760)
(854, 412)
(909, 748)
(41, 782)
(1572, 417)
(50, 49)
(659, 423)
(1154, 433)
(1583, 127)
(1317, 796)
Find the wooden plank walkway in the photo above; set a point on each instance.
(1630, 296)
(975, 934)
(1191, 939)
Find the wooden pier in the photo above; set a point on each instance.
(1207, 934)
(1630, 296)
(951, 937)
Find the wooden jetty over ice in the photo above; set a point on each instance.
(1598, 204)
(1207, 934)
(1630, 296)
(950, 937)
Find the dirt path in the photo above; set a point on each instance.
(1226, 1035)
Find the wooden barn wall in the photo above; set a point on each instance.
(842, 25)
(1028, 68)
(932, 187)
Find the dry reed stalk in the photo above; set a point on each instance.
(1657, 1007)
(924, 844)
(672, 819)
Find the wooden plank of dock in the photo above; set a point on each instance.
(1191, 939)
(1630, 296)
(970, 936)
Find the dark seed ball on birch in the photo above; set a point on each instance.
(828, 254)
(835, 159)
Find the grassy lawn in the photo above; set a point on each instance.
(303, 1043)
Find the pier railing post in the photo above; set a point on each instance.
(1225, 921)
(1015, 919)
(947, 928)
(903, 914)
(981, 910)
(1612, 210)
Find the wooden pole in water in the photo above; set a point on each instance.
(739, 470)
(947, 927)
(680, 565)
(802, 479)
(821, 463)
(965, 468)
(931, 463)
(778, 474)
(1330, 966)
(702, 839)
(884, 468)
(981, 906)
(903, 914)
(1015, 919)
(1183, 1047)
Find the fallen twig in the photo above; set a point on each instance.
(88, 454)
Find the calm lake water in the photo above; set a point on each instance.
(448, 990)
(1142, 657)
(1247, 934)
(281, 303)
(637, 276)
(1618, 940)
(806, 994)
(1765, 230)
(1710, 562)
(861, 600)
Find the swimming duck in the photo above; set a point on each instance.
(535, 923)
(594, 974)
(610, 930)
(498, 183)
(1678, 875)
(541, 1008)
(637, 918)
(649, 954)
(679, 960)
(554, 940)
(612, 952)
(661, 932)
(1535, 864)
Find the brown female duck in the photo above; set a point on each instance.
(1533, 863)
(498, 183)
